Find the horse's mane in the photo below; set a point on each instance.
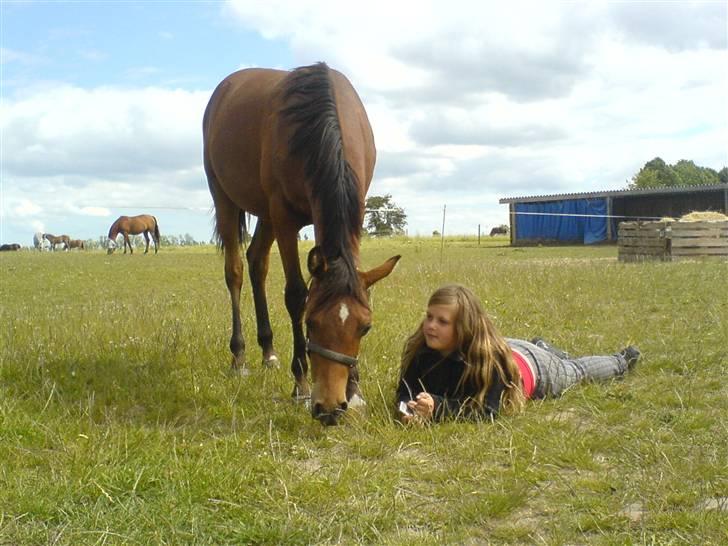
(317, 141)
(114, 229)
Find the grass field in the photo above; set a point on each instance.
(119, 423)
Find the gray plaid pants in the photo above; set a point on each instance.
(554, 375)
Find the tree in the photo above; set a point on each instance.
(656, 174)
(692, 175)
(384, 217)
(723, 175)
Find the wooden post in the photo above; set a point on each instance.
(478, 234)
(609, 219)
(442, 233)
(512, 221)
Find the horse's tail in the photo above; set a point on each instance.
(156, 229)
(310, 105)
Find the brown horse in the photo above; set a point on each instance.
(295, 148)
(65, 240)
(144, 224)
(77, 243)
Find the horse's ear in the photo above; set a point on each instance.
(378, 273)
(317, 265)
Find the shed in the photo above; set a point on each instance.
(593, 217)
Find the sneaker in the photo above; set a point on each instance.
(541, 342)
(631, 354)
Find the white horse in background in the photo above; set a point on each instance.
(39, 242)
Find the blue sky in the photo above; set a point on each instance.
(469, 101)
(187, 44)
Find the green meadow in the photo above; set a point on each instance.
(120, 424)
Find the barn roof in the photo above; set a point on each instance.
(614, 193)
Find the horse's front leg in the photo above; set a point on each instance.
(296, 293)
(258, 256)
(127, 242)
(146, 238)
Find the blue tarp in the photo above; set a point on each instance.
(552, 226)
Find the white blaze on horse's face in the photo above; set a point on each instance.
(343, 313)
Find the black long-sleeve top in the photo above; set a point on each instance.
(430, 372)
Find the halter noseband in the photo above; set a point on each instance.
(346, 360)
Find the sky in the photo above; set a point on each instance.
(102, 102)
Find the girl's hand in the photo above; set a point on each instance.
(423, 405)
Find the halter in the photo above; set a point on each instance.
(340, 358)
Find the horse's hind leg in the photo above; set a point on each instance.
(258, 256)
(226, 225)
(146, 238)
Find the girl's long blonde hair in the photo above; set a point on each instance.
(479, 343)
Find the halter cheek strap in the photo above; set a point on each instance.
(346, 360)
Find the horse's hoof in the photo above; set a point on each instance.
(238, 369)
(271, 363)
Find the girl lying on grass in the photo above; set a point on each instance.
(456, 364)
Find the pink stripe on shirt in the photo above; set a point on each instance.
(529, 382)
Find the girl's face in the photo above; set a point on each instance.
(439, 328)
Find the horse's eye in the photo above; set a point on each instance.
(365, 329)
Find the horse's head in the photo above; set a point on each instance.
(336, 321)
(110, 246)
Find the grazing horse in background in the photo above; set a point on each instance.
(144, 224)
(38, 241)
(295, 148)
(11, 246)
(77, 243)
(65, 240)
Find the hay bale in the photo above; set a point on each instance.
(704, 216)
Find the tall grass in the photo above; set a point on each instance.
(119, 423)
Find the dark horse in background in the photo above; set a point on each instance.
(499, 230)
(77, 243)
(11, 246)
(65, 240)
(296, 148)
(134, 225)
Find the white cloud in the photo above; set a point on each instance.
(102, 132)
(25, 207)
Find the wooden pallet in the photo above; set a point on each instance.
(669, 241)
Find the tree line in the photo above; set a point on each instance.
(138, 241)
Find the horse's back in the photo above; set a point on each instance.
(247, 134)
(236, 131)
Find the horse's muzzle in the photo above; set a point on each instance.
(328, 418)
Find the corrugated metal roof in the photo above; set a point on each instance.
(613, 193)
